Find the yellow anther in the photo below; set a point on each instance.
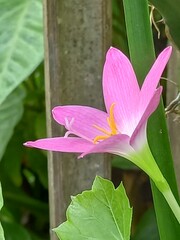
(111, 120)
(102, 130)
(99, 138)
(112, 125)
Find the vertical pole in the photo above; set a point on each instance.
(77, 35)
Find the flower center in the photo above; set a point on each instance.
(112, 125)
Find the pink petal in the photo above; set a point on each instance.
(120, 86)
(153, 77)
(82, 120)
(61, 144)
(138, 138)
(117, 144)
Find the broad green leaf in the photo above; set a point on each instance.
(171, 16)
(102, 213)
(21, 42)
(10, 113)
(1, 204)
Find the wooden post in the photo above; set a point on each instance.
(77, 35)
(173, 119)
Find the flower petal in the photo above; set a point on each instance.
(117, 144)
(61, 144)
(81, 120)
(120, 86)
(138, 138)
(153, 77)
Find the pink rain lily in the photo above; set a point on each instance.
(121, 129)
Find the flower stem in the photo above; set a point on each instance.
(147, 163)
(165, 189)
(172, 203)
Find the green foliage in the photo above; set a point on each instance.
(1, 204)
(10, 113)
(25, 191)
(21, 42)
(119, 35)
(140, 41)
(139, 37)
(23, 175)
(100, 213)
(14, 231)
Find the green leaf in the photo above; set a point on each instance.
(141, 50)
(119, 36)
(10, 113)
(21, 42)
(1, 204)
(102, 213)
(139, 37)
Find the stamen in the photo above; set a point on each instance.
(111, 120)
(112, 125)
(100, 138)
(102, 130)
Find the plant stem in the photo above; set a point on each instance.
(147, 163)
(172, 203)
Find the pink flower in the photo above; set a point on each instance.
(122, 129)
